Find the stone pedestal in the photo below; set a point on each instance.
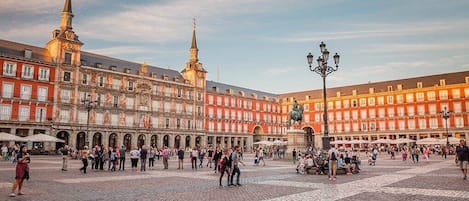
(296, 140)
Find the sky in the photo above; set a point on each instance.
(262, 44)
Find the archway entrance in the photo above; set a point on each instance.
(177, 142)
(97, 139)
(257, 133)
(188, 141)
(141, 140)
(128, 141)
(80, 140)
(64, 135)
(113, 140)
(166, 141)
(154, 141)
(198, 141)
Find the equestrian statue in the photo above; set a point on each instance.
(295, 114)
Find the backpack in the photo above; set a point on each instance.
(333, 157)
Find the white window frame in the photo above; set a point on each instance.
(27, 71)
(6, 93)
(24, 113)
(44, 74)
(5, 111)
(40, 96)
(9, 68)
(26, 94)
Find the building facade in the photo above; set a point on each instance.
(408, 108)
(90, 99)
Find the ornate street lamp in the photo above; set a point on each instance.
(445, 114)
(89, 105)
(323, 69)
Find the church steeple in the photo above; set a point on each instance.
(194, 51)
(66, 15)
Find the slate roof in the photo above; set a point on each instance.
(222, 88)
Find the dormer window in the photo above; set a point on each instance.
(68, 58)
(98, 65)
(130, 85)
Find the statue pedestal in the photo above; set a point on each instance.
(296, 140)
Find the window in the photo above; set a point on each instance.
(64, 116)
(155, 105)
(129, 120)
(167, 123)
(354, 103)
(381, 112)
(371, 101)
(381, 100)
(457, 107)
(116, 84)
(179, 93)
(338, 105)
(338, 116)
(410, 110)
(167, 106)
(382, 125)
(400, 111)
(390, 112)
(219, 101)
(42, 93)
(23, 113)
(456, 93)
(411, 124)
(84, 77)
(67, 76)
(7, 90)
(25, 92)
(390, 99)
(68, 58)
(420, 97)
(210, 100)
(130, 86)
(306, 107)
(459, 122)
(431, 95)
(199, 96)
(101, 81)
(27, 71)
(433, 123)
(363, 114)
(114, 119)
(409, 98)
(466, 92)
(82, 117)
(354, 114)
(346, 104)
(421, 109)
(115, 102)
(432, 109)
(362, 102)
(346, 115)
(99, 119)
(355, 126)
(400, 99)
(65, 97)
(392, 125)
(130, 103)
(443, 94)
(422, 124)
(178, 108)
(9, 68)
(5, 112)
(372, 113)
(401, 125)
(44, 74)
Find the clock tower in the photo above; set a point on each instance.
(194, 72)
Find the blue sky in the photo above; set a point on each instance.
(262, 44)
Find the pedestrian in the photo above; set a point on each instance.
(332, 157)
(180, 159)
(122, 151)
(65, 152)
(201, 157)
(210, 157)
(217, 157)
(235, 160)
(84, 153)
(294, 156)
(194, 156)
(22, 170)
(261, 157)
(462, 152)
(224, 166)
(165, 154)
(134, 155)
(143, 158)
(151, 158)
(113, 159)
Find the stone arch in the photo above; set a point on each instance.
(166, 141)
(113, 140)
(177, 141)
(64, 135)
(141, 140)
(198, 141)
(154, 140)
(128, 141)
(97, 139)
(257, 132)
(188, 141)
(80, 140)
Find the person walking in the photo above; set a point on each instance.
(294, 156)
(65, 152)
(165, 154)
(235, 160)
(84, 153)
(462, 152)
(143, 158)
(134, 155)
(332, 155)
(210, 157)
(224, 166)
(22, 170)
(194, 156)
(122, 151)
(180, 159)
(216, 157)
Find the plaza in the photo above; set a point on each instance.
(436, 179)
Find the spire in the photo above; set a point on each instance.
(67, 6)
(194, 40)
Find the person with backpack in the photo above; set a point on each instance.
(113, 159)
(235, 160)
(462, 152)
(224, 166)
(332, 156)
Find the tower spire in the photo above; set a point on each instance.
(67, 6)
(194, 51)
(194, 40)
(67, 15)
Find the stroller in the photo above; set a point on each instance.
(372, 160)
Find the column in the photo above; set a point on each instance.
(183, 141)
(134, 140)
(160, 141)
(192, 142)
(171, 141)
(105, 138)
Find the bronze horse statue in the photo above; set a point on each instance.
(296, 114)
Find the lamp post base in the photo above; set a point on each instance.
(326, 144)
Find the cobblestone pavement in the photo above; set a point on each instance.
(436, 179)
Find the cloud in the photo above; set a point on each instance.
(379, 30)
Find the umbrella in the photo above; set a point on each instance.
(402, 141)
(9, 137)
(452, 140)
(358, 142)
(381, 141)
(429, 141)
(279, 142)
(263, 143)
(43, 138)
(339, 142)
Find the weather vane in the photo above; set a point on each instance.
(194, 26)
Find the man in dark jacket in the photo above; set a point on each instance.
(216, 158)
(181, 158)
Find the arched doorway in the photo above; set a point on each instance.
(309, 136)
(64, 136)
(141, 140)
(257, 133)
(97, 139)
(198, 141)
(80, 140)
(154, 140)
(218, 141)
(166, 141)
(232, 142)
(188, 141)
(177, 142)
(128, 141)
(113, 140)
(210, 140)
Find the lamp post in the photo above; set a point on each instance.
(89, 105)
(323, 70)
(445, 114)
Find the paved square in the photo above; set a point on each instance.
(436, 179)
